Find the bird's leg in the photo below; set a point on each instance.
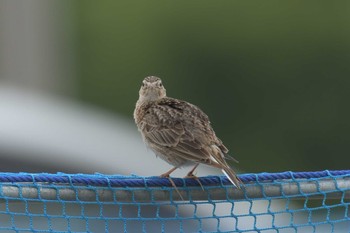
(192, 176)
(190, 173)
(167, 175)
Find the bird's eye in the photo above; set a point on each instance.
(160, 84)
(143, 84)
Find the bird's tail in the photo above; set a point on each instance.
(231, 175)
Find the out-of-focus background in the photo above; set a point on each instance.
(273, 77)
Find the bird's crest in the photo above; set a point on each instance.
(152, 79)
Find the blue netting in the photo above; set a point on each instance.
(269, 202)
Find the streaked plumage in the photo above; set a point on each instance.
(178, 132)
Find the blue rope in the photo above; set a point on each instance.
(138, 181)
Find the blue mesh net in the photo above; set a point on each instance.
(269, 202)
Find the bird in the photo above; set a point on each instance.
(179, 132)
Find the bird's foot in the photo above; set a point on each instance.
(190, 175)
(167, 175)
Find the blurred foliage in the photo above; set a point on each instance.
(272, 76)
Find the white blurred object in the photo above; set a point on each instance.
(39, 127)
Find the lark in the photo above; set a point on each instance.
(179, 132)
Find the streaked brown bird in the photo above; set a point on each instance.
(179, 132)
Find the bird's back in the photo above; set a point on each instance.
(187, 119)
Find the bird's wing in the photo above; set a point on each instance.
(181, 127)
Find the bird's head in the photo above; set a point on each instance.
(152, 89)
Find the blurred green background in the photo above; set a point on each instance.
(272, 76)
